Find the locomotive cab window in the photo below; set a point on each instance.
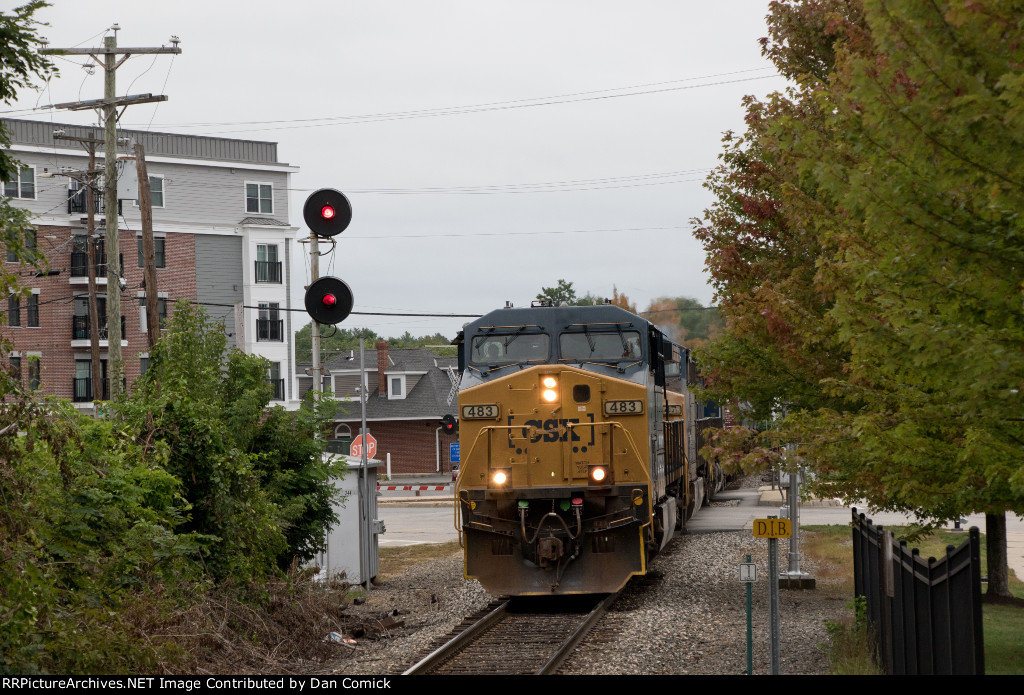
(512, 347)
(589, 346)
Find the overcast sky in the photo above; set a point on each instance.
(489, 148)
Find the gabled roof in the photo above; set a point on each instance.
(428, 399)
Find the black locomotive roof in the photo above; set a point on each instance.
(552, 319)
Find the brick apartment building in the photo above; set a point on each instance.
(410, 390)
(223, 240)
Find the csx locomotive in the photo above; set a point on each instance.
(579, 460)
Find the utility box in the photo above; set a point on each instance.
(352, 543)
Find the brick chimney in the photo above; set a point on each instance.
(382, 365)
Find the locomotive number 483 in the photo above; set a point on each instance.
(479, 412)
(623, 407)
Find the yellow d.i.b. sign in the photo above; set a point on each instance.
(772, 528)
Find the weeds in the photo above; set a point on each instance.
(851, 646)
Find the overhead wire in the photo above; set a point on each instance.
(571, 97)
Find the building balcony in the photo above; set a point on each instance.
(77, 204)
(80, 329)
(82, 390)
(268, 271)
(270, 330)
(80, 266)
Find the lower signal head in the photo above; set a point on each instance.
(329, 300)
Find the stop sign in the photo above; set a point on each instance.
(357, 446)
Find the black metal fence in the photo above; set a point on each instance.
(925, 615)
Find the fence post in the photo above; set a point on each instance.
(978, 636)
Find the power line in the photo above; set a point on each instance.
(635, 90)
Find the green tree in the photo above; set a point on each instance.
(20, 64)
(562, 293)
(341, 340)
(927, 161)
(866, 247)
(257, 483)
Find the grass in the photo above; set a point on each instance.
(831, 547)
(395, 560)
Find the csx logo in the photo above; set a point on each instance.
(552, 430)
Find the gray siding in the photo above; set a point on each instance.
(201, 195)
(156, 144)
(219, 277)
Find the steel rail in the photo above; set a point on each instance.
(567, 647)
(454, 645)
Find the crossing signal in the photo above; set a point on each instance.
(448, 424)
(329, 300)
(327, 212)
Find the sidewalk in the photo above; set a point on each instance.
(1014, 525)
(437, 490)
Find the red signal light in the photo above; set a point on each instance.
(329, 300)
(327, 212)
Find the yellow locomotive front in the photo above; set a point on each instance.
(560, 481)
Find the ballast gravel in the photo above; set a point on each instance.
(688, 617)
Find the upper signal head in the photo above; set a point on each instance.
(327, 212)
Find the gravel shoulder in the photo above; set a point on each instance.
(688, 617)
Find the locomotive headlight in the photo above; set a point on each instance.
(499, 477)
(598, 474)
(550, 392)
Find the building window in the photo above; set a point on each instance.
(33, 310)
(274, 378)
(30, 247)
(159, 243)
(22, 187)
(396, 386)
(161, 312)
(143, 364)
(156, 191)
(14, 310)
(259, 197)
(16, 367)
(34, 372)
(268, 267)
(268, 324)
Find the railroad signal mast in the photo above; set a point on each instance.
(327, 213)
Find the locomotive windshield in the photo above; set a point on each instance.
(511, 347)
(589, 346)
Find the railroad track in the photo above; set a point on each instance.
(518, 637)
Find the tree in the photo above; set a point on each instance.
(684, 320)
(20, 63)
(866, 247)
(927, 161)
(259, 489)
(340, 340)
(621, 300)
(561, 294)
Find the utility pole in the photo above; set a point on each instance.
(89, 181)
(109, 104)
(148, 249)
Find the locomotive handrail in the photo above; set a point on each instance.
(615, 423)
(570, 425)
(487, 429)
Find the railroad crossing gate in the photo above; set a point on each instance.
(357, 446)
